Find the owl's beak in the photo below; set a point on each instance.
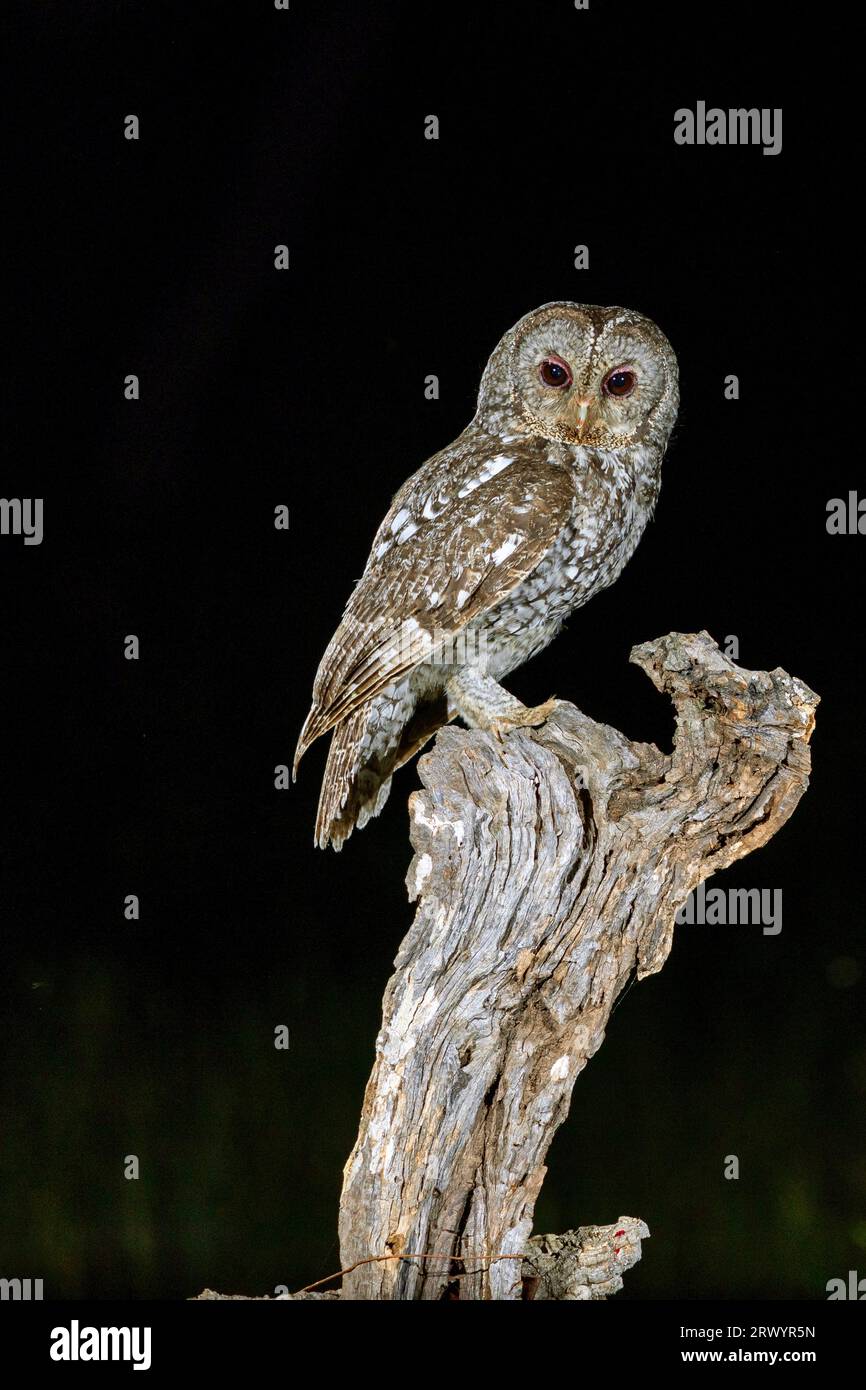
(582, 404)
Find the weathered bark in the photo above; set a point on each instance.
(584, 1264)
(548, 869)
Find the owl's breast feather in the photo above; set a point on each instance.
(613, 500)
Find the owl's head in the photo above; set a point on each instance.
(583, 374)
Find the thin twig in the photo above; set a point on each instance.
(377, 1259)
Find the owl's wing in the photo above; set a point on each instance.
(438, 562)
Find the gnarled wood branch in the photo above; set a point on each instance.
(548, 869)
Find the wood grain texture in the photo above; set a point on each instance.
(548, 869)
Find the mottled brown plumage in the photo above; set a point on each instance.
(536, 506)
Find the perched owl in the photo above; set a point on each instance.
(534, 508)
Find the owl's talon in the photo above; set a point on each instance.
(539, 714)
(530, 717)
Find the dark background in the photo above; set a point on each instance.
(155, 777)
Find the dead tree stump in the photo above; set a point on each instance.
(548, 868)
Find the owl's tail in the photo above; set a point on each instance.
(361, 761)
(352, 792)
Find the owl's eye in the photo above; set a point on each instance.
(554, 372)
(620, 382)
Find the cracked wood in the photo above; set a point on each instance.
(548, 870)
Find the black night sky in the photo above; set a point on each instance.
(306, 388)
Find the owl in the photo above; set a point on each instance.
(488, 548)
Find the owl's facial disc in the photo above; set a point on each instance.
(590, 376)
